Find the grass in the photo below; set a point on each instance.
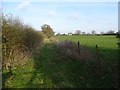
(20, 76)
(50, 69)
(107, 44)
(103, 41)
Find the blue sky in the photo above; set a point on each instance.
(65, 17)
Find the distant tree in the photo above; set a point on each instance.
(83, 33)
(110, 32)
(93, 32)
(118, 34)
(63, 34)
(102, 33)
(77, 32)
(57, 34)
(47, 30)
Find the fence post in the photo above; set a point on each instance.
(78, 48)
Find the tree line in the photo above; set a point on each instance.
(93, 32)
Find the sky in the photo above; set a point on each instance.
(66, 16)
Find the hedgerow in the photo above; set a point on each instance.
(19, 42)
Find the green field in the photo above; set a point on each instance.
(49, 69)
(107, 44)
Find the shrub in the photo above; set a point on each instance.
(71, 49)
(19, 41)
(32, 39)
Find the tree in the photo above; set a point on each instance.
(57, 34)
(77, 32)
(110, 32)
(118, 34)
(47, 30)
(83, 33)
(102, 33)
(93, 32)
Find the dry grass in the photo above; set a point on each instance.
(71, 49)
(94, 63)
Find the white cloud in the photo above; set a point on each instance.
(23, 5)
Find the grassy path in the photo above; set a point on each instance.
(44, 71)
(55, 73)
(49, 70)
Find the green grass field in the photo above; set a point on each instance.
(48, 69)
(107, 44)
